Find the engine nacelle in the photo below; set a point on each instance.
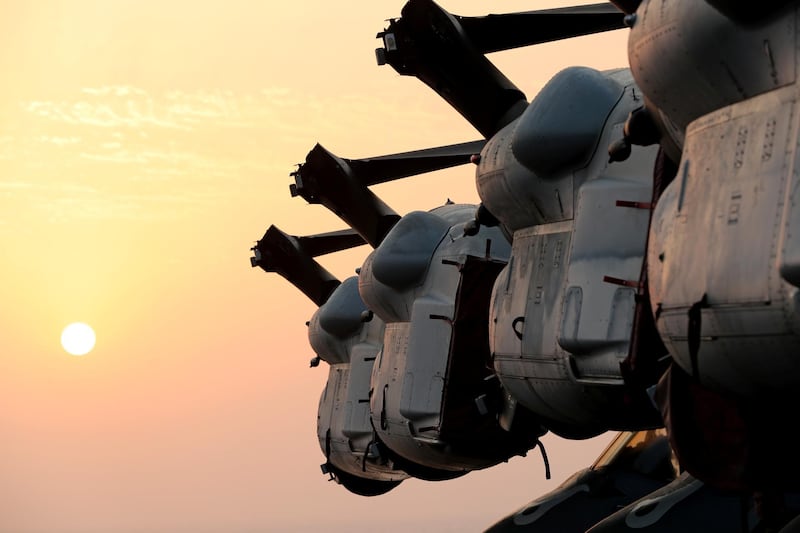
(556, 135)
(722, 243)
(563, 308)
(434, 402)
(724, 259)
(689, 59)
(344, 334)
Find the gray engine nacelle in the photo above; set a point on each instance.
(723, 256)
(689, 59)
(343, 335)
(724, 259)
(525, 173)
(434, 402)
(563, 309)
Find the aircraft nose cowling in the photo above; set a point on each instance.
(403, 258)
(400, 264)
(337, 324)
(341, 314)
(560, 128)
(525, 172)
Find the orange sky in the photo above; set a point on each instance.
(144, 146)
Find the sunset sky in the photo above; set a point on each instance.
(144, 146)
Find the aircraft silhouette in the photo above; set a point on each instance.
(632, 264)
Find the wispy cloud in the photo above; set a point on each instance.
(125, 114)
(123, 152)
(113, 90)
(57, 140)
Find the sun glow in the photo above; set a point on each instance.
(78, 338)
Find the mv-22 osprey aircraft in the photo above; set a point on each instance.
(632, 253)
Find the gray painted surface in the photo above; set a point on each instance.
(350, 346)
(558, 330)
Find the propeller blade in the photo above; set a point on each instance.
(293, 258)
(374, 170)
(431, 44)
(333, 241)
(493, 33)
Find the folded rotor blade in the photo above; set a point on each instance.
(446, 52)
(373, 170)
(293, 258)
(493, 33)
(430, 43)
(341, 184)
(333, 241)
(328, 180)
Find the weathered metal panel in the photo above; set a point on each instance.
(721, 238)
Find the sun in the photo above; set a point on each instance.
(78, 338)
